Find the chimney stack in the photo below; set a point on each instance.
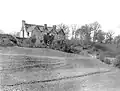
(45, 26)
(23, 27)
(23, 22)
(54, 27)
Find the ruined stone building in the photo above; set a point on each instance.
(38, 31)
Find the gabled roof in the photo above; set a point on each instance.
(31, 27)
(50, 28)
(53, 31)
(61, 31)
(41, 28)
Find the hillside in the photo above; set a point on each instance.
(40, 68)
(108, 49)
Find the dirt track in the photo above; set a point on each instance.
(54, 73)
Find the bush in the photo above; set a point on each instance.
(7, 40)
(66, 46)
(58, 45)
(117, 62)
(26, 42)
(75, 42)
(107, 61)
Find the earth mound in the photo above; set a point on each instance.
(7, 40)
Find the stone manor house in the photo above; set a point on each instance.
(38, 31)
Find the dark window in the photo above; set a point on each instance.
(41, 41)
(28, 33)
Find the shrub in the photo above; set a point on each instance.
(58, 45)
(26, 42)
(76, 49)
(117, 62)
(7, 40)
(107, 61)
(66, 46)
(75, 42)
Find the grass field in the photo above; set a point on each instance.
(37, 69)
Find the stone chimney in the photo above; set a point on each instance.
(45, 26)
(23, 22)
(23, 27)
(54, 27)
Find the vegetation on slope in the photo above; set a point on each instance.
(102, 43)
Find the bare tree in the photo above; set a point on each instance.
(109, 37)
(65, 28)
(98, 34)
(95, 26)
(74, 28)
(117, 40)
(84, 34)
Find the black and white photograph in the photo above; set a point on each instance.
(59, 45)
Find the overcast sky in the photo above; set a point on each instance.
(106, 12)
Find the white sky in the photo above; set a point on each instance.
(106, 12)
